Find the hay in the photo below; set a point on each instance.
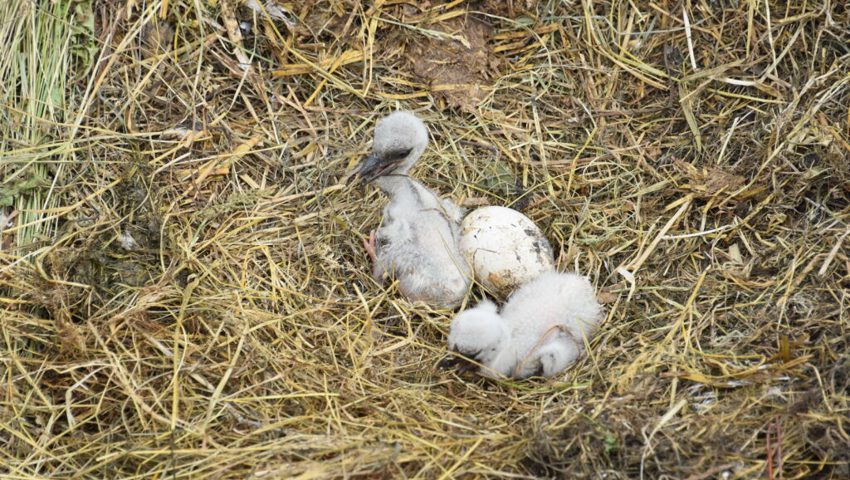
(198, 304)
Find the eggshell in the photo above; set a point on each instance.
(505, 248)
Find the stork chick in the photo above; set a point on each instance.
(416, 242)
(540, 331)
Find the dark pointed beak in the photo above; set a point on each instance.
(459, 361)
(373, 167)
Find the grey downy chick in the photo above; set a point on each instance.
(416, 242)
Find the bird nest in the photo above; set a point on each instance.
(185, 293)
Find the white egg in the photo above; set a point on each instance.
(505, 248)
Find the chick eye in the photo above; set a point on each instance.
(399, 154)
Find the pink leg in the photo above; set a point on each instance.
(370, 246)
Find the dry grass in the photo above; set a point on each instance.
(691, 157)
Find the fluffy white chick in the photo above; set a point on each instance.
(541, 330)
(480, 334)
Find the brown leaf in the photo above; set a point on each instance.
(454, 64)
(605, 297)
(706, 182)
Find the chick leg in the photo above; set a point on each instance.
(370, 246)
(379, 273)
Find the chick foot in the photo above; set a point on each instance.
(370, 246)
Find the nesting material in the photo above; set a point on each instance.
(244, 337)
(541, 330)
(505, 249)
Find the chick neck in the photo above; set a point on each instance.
(394, 183)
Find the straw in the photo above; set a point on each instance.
(184, 294)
